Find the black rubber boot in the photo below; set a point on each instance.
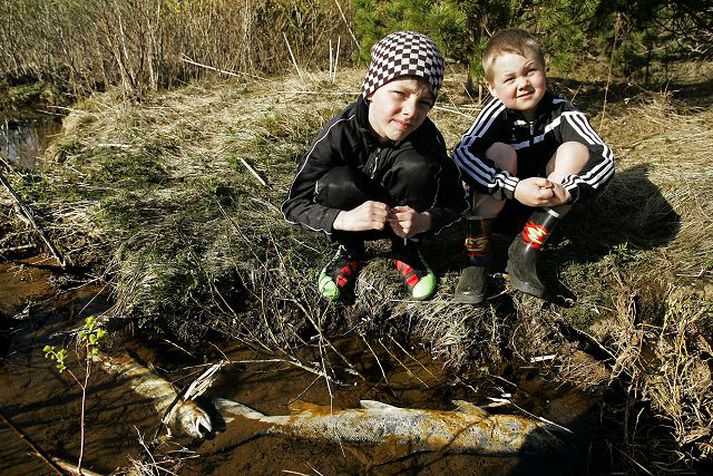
(525, 249)
(473, 279)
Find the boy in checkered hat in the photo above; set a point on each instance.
(527, 147)
(379, 170)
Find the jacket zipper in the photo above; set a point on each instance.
(376, 163)
(532, 132)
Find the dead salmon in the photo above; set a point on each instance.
(468, 429)
(180, 414)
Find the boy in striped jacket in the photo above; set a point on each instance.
(529, 146)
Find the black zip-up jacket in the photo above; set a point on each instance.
(348, 140)
(557, 122)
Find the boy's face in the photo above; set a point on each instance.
(399, 107)
(519, 82)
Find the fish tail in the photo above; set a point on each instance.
(224, 405)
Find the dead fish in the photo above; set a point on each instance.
(180, 414)
(468, 429)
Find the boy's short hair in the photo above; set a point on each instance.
(404, 53)
(516, 41)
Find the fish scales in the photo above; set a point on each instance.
(468, 429)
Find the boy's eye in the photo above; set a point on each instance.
(426, 104)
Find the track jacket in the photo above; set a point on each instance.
(557, 122)
(348, 140)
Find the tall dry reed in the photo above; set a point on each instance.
(143, 45)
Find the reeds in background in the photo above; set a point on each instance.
(142, 45)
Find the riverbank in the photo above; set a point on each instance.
(174, 203)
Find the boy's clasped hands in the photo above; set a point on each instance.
(372, 215)
(540, 192)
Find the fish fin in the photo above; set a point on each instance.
(375, 405)
(467, 407)
(299, 406)
(224, 405)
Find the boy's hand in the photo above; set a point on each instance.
(367, 216)
(540, 192)
(407, 222)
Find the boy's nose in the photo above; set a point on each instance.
(409, 108)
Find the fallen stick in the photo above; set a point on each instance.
(72, 468)
(252, 171)
(186, 59)
(35, 449)
(28, 215)
(15, 249)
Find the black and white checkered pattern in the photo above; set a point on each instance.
(404, 53)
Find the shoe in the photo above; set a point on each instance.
(525, 251)
(339, 274)
(471, 285)
(473, 278)
(414, 271)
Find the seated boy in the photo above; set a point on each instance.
(529, 146)
(380, 169)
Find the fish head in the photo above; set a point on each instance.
(192, 419)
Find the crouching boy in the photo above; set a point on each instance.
(529, 146)
(380, 170)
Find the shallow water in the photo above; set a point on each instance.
(45, 404)
(22, 142)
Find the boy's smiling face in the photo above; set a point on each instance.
(399, 107)
(519, 82)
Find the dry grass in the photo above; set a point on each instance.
(155, 196)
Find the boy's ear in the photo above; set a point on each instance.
(491, 88)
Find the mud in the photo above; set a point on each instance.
(46, 405)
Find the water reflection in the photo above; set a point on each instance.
(23, 142)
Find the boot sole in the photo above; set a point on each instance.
(469, 299)
(526, 288)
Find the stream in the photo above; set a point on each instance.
(45, 405)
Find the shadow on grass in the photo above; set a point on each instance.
(588, 96)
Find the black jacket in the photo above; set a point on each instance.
(557, 122)
(348, 140)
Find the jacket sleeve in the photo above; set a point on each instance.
(479, 172)
(299, 207)
(600, 167)
(451, 201)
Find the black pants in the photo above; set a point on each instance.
(410, 180)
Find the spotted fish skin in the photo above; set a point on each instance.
(184, 416)
(468, 429)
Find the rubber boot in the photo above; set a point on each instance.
(525, 249)
(473, 279)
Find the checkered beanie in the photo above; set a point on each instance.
(404, 53)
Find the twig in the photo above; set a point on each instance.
(408, 371)
(410, 356)
(28, 214)
(292, 56)
(356, 42)
(72, 469)
(186, 59)
(35, 449)
(617, 26)
(252, 171)
(378, 362)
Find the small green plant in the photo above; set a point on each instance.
(88, 341)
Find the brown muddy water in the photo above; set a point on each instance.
(45, 405)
